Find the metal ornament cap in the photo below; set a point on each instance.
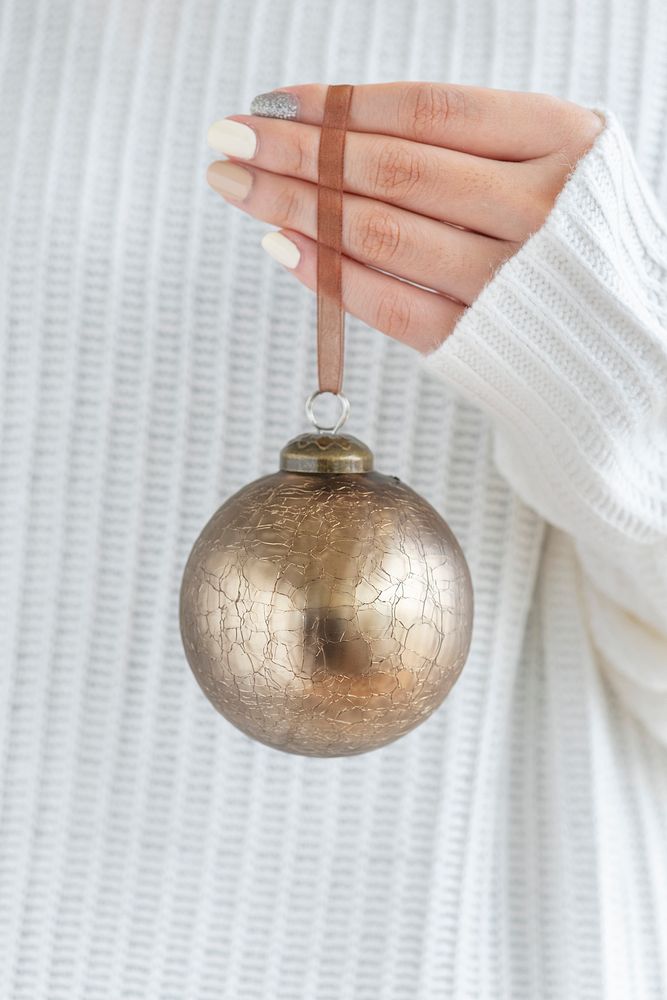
(318, 452)
(326, 614)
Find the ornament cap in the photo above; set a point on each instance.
(318, 452)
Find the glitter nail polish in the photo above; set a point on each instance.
(275, 104)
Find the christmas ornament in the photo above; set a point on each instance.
(326, 608)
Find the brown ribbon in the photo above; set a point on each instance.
(330, 313)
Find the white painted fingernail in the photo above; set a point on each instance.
(232, 138)
(281, 249)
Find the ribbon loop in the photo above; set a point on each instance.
(330, 312)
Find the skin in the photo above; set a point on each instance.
(443, 183)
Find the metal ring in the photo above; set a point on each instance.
(342, 418)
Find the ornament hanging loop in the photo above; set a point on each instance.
(330, 312)
(345, 410)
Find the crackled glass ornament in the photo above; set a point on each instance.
(326, 608)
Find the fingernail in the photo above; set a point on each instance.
(281, 249)
(230, 180)
(232, 138)
(275, 104)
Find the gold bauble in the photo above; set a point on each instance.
(326, 609)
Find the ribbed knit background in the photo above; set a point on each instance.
(154, 360)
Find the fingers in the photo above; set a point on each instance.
(419, 318)
(491, 197)
(504, 124)
(447, 259)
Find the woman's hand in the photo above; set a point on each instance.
(442, 184)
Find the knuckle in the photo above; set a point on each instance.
(397, 170)
(287, 205)
(377, 234)
(394, 314)
(430, 106)
(300, 155)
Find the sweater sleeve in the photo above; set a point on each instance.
(566, 349)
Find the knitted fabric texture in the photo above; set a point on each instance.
(154, 361)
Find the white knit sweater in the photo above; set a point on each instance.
(154, 361)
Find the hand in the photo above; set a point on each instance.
(442, 184)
